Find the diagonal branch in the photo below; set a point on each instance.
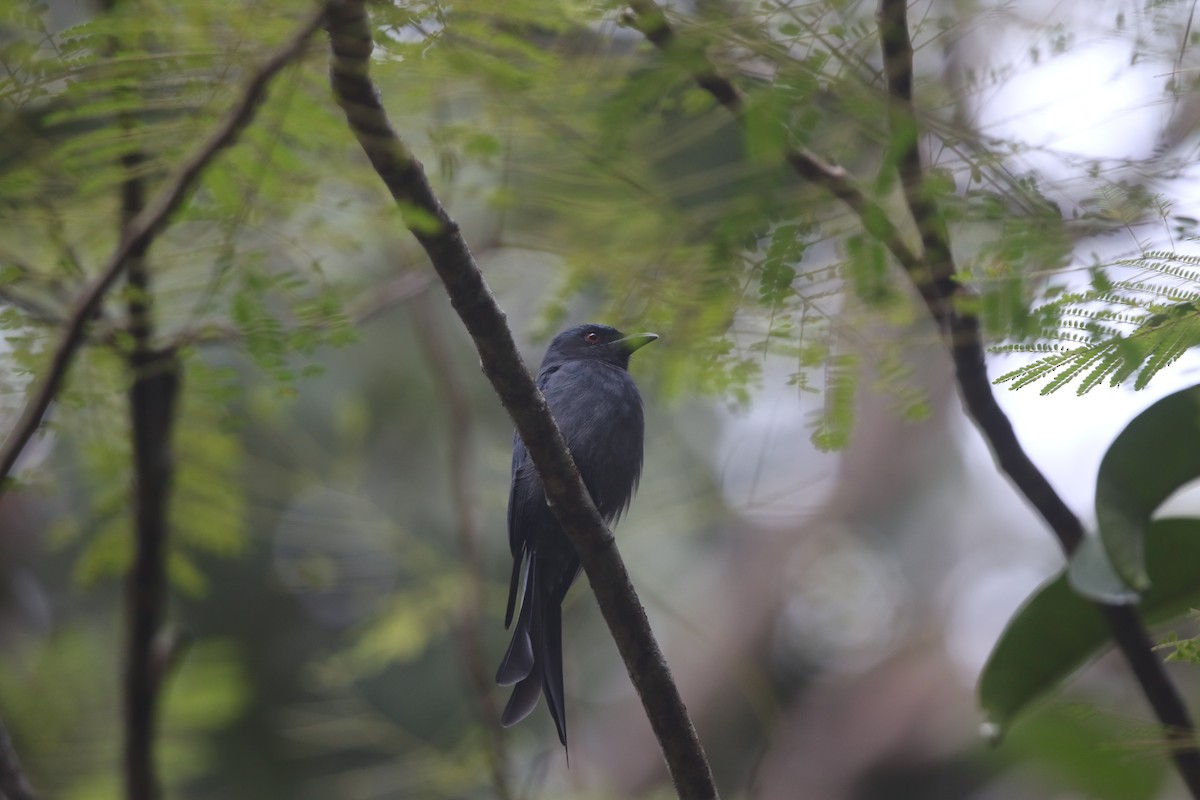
(965, 336)
(404, 177)
(966, 346)
(140, 233)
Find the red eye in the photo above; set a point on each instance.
(592, 337)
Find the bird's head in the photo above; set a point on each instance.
(598, 342)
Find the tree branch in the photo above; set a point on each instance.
(962, 325)
(140, 233)
(152, 395)
(152, 405)
(13, 783)
(966, 346)
(439, 235)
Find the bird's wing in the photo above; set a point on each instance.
(521, 475)
(523, 500)
(521, 658)
(524, 477)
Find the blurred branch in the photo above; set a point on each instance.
(140, 233)
(966, 347)
(961, 326)
(152, 393)
(13, 783)
(458, 423)
(152, 406)
(350, 41)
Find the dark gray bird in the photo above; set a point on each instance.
(596, 404)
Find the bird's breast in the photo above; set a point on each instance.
(599, 411)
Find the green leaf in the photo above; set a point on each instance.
(1064, 742)
(1091, 574)
(1143, 467)
(210, 691)
(1057, 631)
(869, 269)
(836, 422)
(764, 129)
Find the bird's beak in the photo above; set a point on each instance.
(636, 341)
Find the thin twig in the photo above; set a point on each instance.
(439, 235)
(458, 423)
(141, 233)
(966, 346)
(13, 783)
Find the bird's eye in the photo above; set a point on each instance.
(592, 337)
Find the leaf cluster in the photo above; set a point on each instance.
(1115, 330)
(1133, 559)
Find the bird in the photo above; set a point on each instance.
(585, 379)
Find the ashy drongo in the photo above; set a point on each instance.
(593, 398)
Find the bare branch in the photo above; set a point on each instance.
(439, 235)
(140, 234)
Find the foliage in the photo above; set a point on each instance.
(1057, 630)
(1116, 329)
(64, 684)
(232, 267)
(1132, 559)
(1179, 649)
(557, 137)
(207, 513)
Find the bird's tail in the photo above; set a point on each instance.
(533, 662)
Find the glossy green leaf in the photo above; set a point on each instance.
(1146, 463)
(1057, 631)
(1091, 574)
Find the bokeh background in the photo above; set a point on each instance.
(822, 540)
